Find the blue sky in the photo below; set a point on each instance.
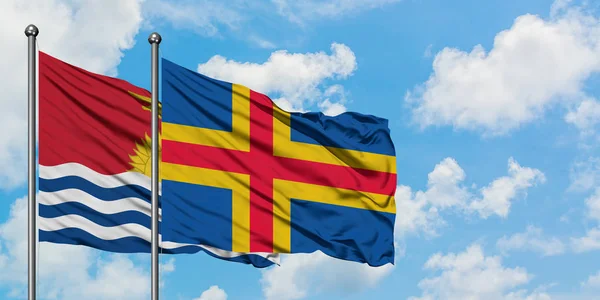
(493, 111)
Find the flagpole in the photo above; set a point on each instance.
(154, 39)
(31, 32)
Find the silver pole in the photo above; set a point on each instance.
(31, 32)
(154, 39)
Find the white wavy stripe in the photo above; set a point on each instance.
(101, 206)
(102, 180)
(274, 257)
(130, 230)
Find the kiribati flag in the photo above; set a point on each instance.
(94, 165)
(241, 174)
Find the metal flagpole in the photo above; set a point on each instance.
(31, 32)
(154, 39)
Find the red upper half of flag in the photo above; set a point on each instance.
(87, 118)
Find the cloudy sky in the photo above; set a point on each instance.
(493, 110)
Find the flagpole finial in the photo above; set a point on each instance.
(154, 38)
(31, 30)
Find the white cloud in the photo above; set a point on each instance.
(300, 11)
(427, 53)
(533, 240)
(213, 293)
(498, 195)
(201, 16)
(66, 271)
(559, 6)
(261, 42)
(589, 242)
(214, 17)
(167, 267)
(108, 282)
(335, 98)
(443, 185)
(532, 66)
(585, 117)
(472, 275)
(420, 211)
(415, 214)
(302, 274)
(331, 109)
(74, 31)
(585, 174)
(524, 295)
(593, 282)
(296, 77)
(593, 205)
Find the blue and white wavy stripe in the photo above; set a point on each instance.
(110, 212)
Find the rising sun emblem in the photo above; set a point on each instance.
(140, 161)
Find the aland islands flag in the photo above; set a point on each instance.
(241, 179)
